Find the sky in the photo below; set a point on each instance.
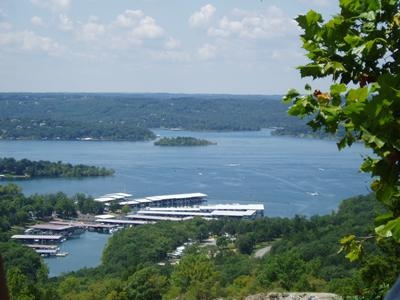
(173, 46)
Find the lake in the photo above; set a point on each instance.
(288, 175)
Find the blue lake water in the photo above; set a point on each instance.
(289, 175)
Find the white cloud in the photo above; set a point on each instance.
(132, 28)
(5, 26)
(55, 5)
(207, 51)
(202, 17)
(172, 43)
(65, 23)
(172, 56)
(37, 21)
(29, 41)
(266, 24)
(90, 31)
(129, 18)
(148, 29)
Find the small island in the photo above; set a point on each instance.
(182, 141)
(11, 168)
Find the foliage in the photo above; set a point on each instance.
(125, 116)
(135, 264)
(9, 167)
(359, 50)
(182, 141)
(49, 129)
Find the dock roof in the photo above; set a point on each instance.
(214, 213)
(52, 226)
(106, 216)
(235, 206)
(157, 218)
(129, 202)
(46, 251)
(125, 222)
(118, 195)
(177, 196)
(36, 237)
(35, 246)
(105, 199)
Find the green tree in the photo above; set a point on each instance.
(146, 283)
(196, 275)
(245, 243)
(19, 286)
(359, 50)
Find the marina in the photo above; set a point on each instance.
(44, 238)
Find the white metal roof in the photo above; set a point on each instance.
(235, 206)
(233, 213)
(118, 195)
(42, 246)
(174, 208)
(130, 202)
(177, 196)
(157, 218)
(142, 200)
(214, 213)
(51, 226)
(46, 251)
(36, 237)
(106, 216)
(105, 199)
(174, 213)
(115, 221)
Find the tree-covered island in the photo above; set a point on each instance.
(11, 168)
(182, 141)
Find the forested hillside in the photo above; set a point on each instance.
(135, 262)
(129, 116)
(10, 167)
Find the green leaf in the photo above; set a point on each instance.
(356, 7)
(308, 20)
(337, 89)
(313, 70)
(290, 95)
(390, 229)
(372, 139)
(353, 40)
(383, 219)
(357, 95)
(347, 239)
(334, 66)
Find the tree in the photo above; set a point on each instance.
(245, 243)
(146, 283)
(195, 275)
(359, 50)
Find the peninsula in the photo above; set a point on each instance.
(11, 168)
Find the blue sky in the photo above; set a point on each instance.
(229, 46)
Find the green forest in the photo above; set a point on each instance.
(304, 255)
(182, 141)
(25, 168)
(131, 116)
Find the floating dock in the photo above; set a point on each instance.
(153, 201)
(238, 211)
(38, 238)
